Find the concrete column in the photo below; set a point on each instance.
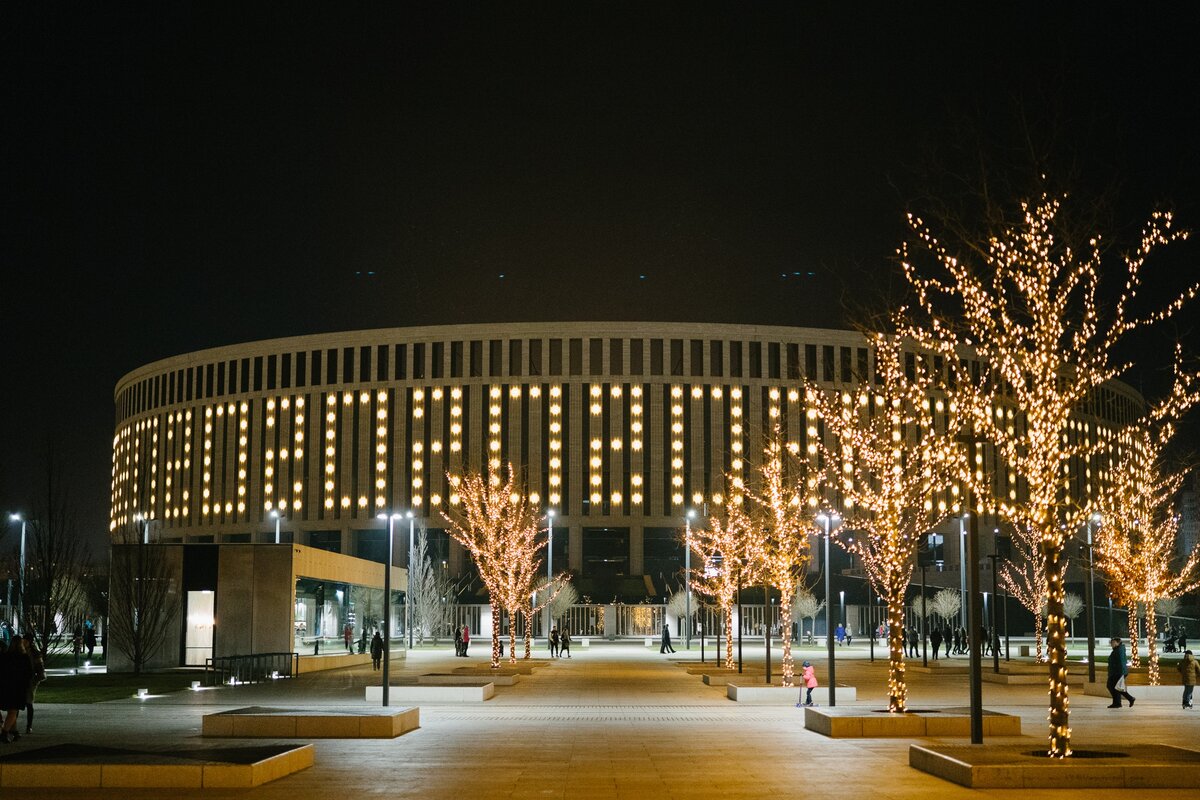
(637, 550)
(575, 548)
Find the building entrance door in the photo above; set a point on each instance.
(198, 638)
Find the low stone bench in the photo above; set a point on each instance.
(457, 677)
(937, 668)
(1029, 678)
(863, 723)
(748, 677)
(464, 692)
(780, 696)
(1155, 695)
(74, 766)
(522, 667)
(293, 723)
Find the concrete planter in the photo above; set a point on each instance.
(1017, 767)
(860, 723)
(476, 693)
(750, 694)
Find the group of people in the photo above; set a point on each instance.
(22, 668)
(462, 640)
(1174, 640)
(560, 643)
(1118, 672)
(955, 640)
(843, 634)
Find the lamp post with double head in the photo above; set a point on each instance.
(828, 519)
(387, 603)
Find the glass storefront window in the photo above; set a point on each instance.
(328, 613)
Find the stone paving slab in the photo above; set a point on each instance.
(311, 723)
(77, 766)
(780, 696)
(457, 678)
(1156, 695)
(1023, 766)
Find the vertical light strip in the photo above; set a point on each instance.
(456, 424)
(698, 436)
(437, 469)
(330, 447)
(171, 465)
(616, 444)
(736, 433)
(494, 425)
(534, 437)
(152, 506)
(206, 490)
(595, 447)
(718, 395)
(418, 447)
(187, 463)
(555, 460)
(283, 474)
(360, 434)
(381, 418)
(243, 441)
(269, 458)
(298, 457)
(636, 480)
(676, 445)
(515, 415)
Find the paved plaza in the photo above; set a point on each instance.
(616, 720)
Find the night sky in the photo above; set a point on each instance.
(182, 178)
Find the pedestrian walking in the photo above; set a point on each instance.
(457, 641)
(1118, 670)
(935, 641)
(849, 636)
(839, 633)
(554, 642)
(37, 674)
(466, 642)
(348, 637)
(89, 639)
(666, 640)
(16, 671)
(809, 677)
(376, 650)
(1189, 671)
(564, 643)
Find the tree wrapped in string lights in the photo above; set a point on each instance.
(1136, 542)
(545, 592)
(891, 454)
(496, 523)
(1021, 296)
(774, 522)
(1024, 577)
(721, 551)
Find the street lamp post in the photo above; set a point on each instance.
(962, 566)
(277, 518)
(924, 621)
(408, 575)
(387, 604)
(142, 519)
(687, 579)
(549, 565)
(995, 557)
(827, 519)
(975, 616)
(21, 576)
(1093, 520)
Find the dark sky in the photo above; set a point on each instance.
(182, 178)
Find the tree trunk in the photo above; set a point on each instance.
(1056, 647)
(1134, 659)
(1151, 642)
(729, 636)
(1037, 636)
(897, 685)
(788, 668)
(529, 633)
(512, 640)
(495, 635)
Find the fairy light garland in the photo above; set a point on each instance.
(1025, 302)
(891, 458)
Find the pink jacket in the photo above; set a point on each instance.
(810, 678)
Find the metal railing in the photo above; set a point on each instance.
(252, 668)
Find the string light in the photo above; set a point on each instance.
(1025, 301)
(890, 458)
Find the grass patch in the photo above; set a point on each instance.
(100, 687)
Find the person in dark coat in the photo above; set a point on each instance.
(935, 641)
(554, 642)
(457, 641)
(1118, 668)
(376, 650)
(38, 665)
(89, 640)
(564, 643)
(16, 672)
(666, 641)
(1189, 672)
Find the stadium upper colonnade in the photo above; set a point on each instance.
(616, 426)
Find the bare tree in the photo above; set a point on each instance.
(57, 560)
(562, 602)
(140, 582)
(1072, 607)
(946, 604)
(807, 606)
(432, 592)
